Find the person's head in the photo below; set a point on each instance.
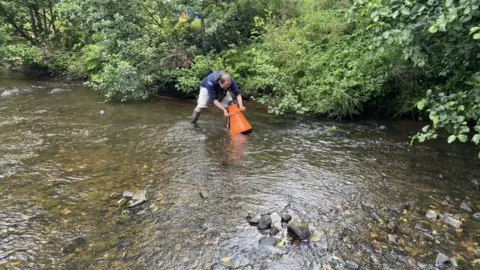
(225, 81)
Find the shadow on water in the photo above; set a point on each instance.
(61, 160)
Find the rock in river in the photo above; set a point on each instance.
(8, 93)
(453, 222)
(268, 241)
(442, 261)
(466, 207)
(286, 218)
(431, 215)
(391, 227)
(58, 90)
(243, 214)
(476, 216)
(265, 222)
(73, 245)
(255, 219)
(139, 198)
(299, 229)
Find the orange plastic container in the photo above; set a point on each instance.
(238, 123)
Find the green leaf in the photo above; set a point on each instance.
(434, 118)
(465, 130)
(433, 28)
(461, 108)
(460, 118)
(477, 128)
(474, 29)
(476, 139)
(452, 138)
(420, 105)
(462, 138)
(476, 36)
(425, 128)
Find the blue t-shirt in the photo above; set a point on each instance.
(211, 82)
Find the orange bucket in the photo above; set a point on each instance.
(238, 123)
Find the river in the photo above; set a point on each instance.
(61, 159)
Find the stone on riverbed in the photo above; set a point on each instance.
(391, 227)
(73, 245)
(377, 218)
(243, 214)
(476, 216)
(455, 223)
(299, 229)
(121, 202)
(255, 219)
(286, 218)
(8, 93)
(139, 198)
(392, 238)
(431, 215)
(128, 194)
(466, 207)
(58, 90)
(274, 231)
(268, 241)
(204, 194)
(442, 261)
(265, 222)
(114, 195)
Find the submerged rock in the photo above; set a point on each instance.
(299, 229)
(422, 227)
(139, 198)
(58, 90)
(377, 218)
(255, 219)
(466, 207)
(243, 214)
(431, 215)
(73, 245)
(203, 194)
(274, 231)
(351, 265)
(391, 227)
(128, 194)
(476, 216)
(455, 223)
(286, 218)
(114, 195)
(442, 261)
(399, 207)
(265, 222)
(8, 93)
(121, 202)
(268, 241)
(392, 238)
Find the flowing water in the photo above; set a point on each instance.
(61, 159)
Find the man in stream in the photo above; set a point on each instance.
(215, 87)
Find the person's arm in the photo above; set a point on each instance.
(212, 95)
(219, 105)
(236, 92)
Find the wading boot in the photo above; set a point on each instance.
(195, 117)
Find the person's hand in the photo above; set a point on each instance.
(225, 112)
(242, 108)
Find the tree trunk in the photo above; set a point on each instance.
(204, 37)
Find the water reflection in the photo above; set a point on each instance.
(236, 148)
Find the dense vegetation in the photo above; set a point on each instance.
(328, 57)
